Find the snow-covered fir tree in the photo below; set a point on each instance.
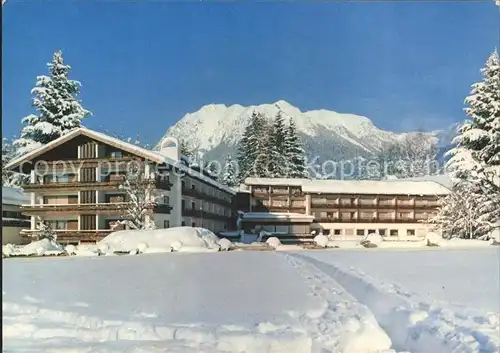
(10, 178)
(277, 165)
(413, 156)
(460, 215)
(252, 148)
(185, 150)
(229, 176)
(141, 198)
(44, 231)
(58, 110)
(295, 153)
(475, 159)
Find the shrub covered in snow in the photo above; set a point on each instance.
(321, 240)
(372, 240)
(273, 242)
(44, 247)
(182, 239)
(433, 239)
(225, 244)
(70, 249)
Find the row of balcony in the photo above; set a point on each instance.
(111, 182)
(204, 196)
(74, 236)
(373, 205)
(257, 192)
(366, 220)
(94, 208)
(203, 214)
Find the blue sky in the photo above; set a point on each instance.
(143, 65)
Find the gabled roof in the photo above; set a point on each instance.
(153, 156)
(128, 147)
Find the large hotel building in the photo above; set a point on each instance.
(75, 180)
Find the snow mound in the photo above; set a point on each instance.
(39, 247)
(273, 242)
(183, 239)
(433, 239)
(374, 238)
(321, 240)
(225, 244)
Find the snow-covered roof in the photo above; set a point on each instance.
(392, 187)
(276, 216)
(154, 156)
(13, 196)
(275, 181)
(442, 179)
(436, 186)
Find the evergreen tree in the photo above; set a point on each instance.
(252, 148)
(10, 178)
(459, 215)
(229, 176)
(185, 151)
(475, 159)
(294, 152)
(413, 156)
(278, 158)
(58, 109)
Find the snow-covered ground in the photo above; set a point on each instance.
(280, 302)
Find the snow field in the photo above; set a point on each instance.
(412, 323)
(279, 302)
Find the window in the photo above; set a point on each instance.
(329, 214)
(394, 233)
(183, 203)
(326, 231)
(166, 224)
(382, 232)
(193, 224)
(183, 224)
(183, 183)
(166, 200)
(349, 231)
(337, 232)
(372, 231)
(193, 187)
(116, 154)
(410, 232)
(360, 232)
(193, 205)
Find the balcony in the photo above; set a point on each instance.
(73, 185)
(203, 214)
(74, 236)
(197, 194)
(94, 208)
(279, 191)
(363, 220)
(162, 208)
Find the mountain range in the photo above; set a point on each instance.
(215, 129)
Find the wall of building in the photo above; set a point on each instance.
(11, 235)
(394, 231)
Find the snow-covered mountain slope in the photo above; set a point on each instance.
(216, 129)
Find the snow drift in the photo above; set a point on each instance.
(40, 247)
(182, 239)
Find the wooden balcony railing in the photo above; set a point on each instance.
(74, 236)
(203, 214)
(79, 208)
(364, 220)
(204, 196)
